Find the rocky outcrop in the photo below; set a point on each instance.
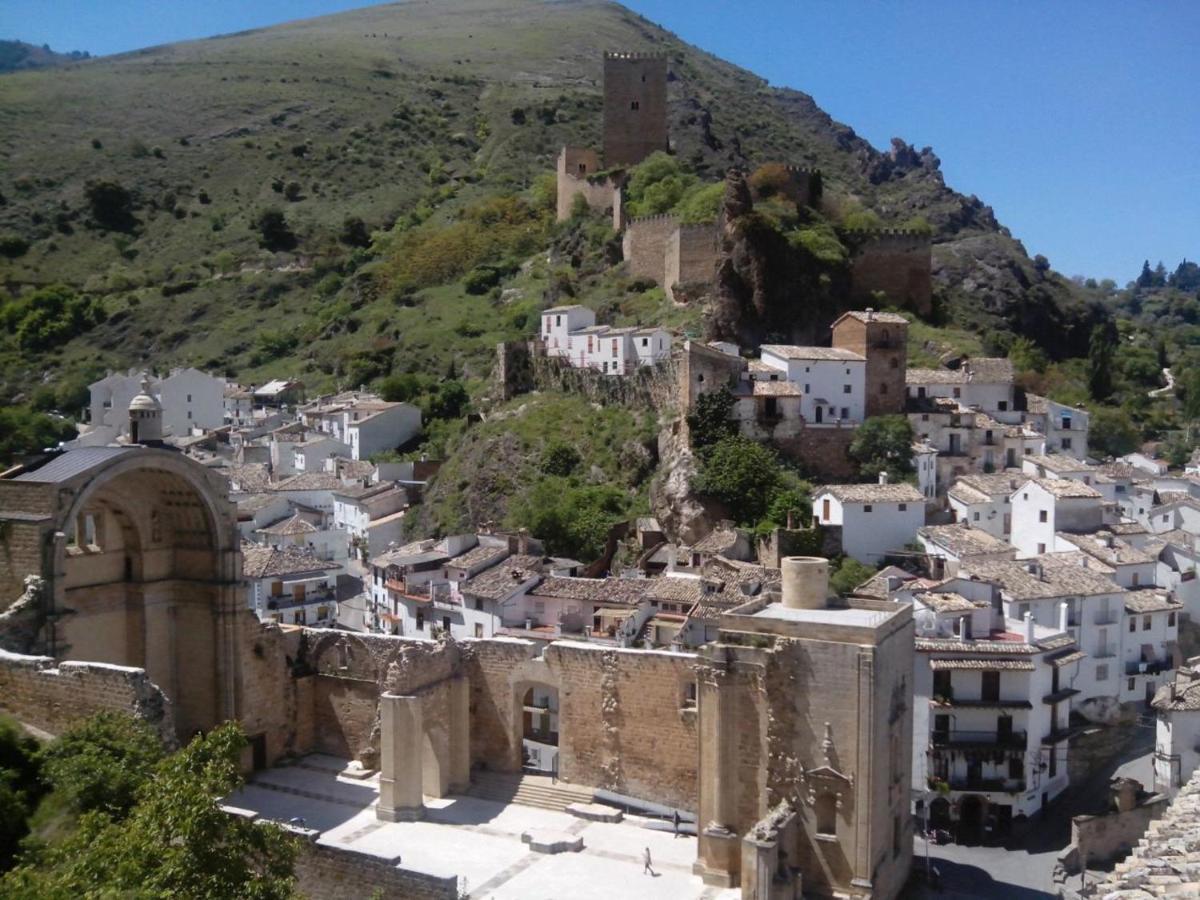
(681, 514)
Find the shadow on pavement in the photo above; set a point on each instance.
(958, 880)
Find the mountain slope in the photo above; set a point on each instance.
(17, 55)
(378, 113)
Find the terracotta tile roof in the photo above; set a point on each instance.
(963, 540)
(954, 645)
(1108, 548)
(717, 541)
(1187, 694)
(289, 527)
(876, 585)
(625, 591)
(1067, 658)
(478, 555)
(870, 315)
(268, 562)
(987, 665)
(790, 351)
(1055, 575)
(1066, 489)
(983, 370)
(500, 580)
(1150, 600)
(948, 602)
(1059, 462)
(872, 493)
(249, 477)
(776, 389)
(309, 481)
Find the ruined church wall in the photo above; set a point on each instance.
(623, 726)
(53, 696)
(21, 542)
(645, 247)
(335, 873)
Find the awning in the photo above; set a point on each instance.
(1067, 659)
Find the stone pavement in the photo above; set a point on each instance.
(480, 841)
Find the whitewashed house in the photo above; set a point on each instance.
(1149, 643)
(558, 323)
(1133, 567)
(982, 501)
(290, 585)
(371, 516)
(925, 463)
(985, 384)
(189, 399)
(991, 710)
(949, 546)
(875, 518)
(1065, 427)
(832, 380)
(1057, 465)
(310, 454)
(1177, 732)
(571, 333)
(367, 424)
(1042, 507)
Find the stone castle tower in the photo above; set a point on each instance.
(635, 107)
(883, 339)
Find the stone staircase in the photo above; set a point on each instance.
(527, 790)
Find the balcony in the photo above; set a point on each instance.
(1105, 651)
(1105, 618)
(1154, 667)
(986, 739)
(998, 785)
(286, 601)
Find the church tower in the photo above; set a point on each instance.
(145, 417)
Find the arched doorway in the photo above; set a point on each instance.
(970, 819)
(539, 729)
(939, 814)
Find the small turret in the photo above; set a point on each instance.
(145, 417)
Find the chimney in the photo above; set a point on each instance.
(1063, 616)
(805, 581)
(1029, 628)
(883, 477)
(523, 541)
(870, 314)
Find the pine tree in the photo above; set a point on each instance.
(1100, 360)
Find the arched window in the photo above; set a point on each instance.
(895, 363)
(827, 814)
(700, 378)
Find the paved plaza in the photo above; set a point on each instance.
(480, 841)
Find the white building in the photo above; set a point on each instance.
(991, 709)
(367, 424)
(875, 518)
(985, 384)
(982, 501)
(1058, 465)
(310, 454)
(1177, 735)
(371, 516)
(925, 462)
(1065, 427)
(1133, 567)
(189, 399)
(290, 585)
(571, 333)
(832, 380)
(1042, 507)
(949, 546)
(1149, 642)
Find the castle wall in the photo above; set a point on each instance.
(635, 107)
(897, 263)
(691, 257)
(577, 168)
(824, 451)
(645, 244)
(53, 695)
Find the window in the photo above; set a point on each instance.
(1053, 763)
(894, 363)
(420, 620)
(867, 507)
(1016, 768)
(896, 832)
(975, 516)
(1066, 443)
(633, 105)
(1145, 623)
(958, 392)
(1043, 515)
(1066, 423)
(903, 507)
(846, 389)
(1132, 683)
(1170, 620)
(1002, 406)
(614, 347)
(826, 810)
(689, 696)
(921, 392)
(558, 320)
(1102, 672)
(807, 389)
(445, 623)
(479, 604)
(1132, 625)
(478, 629)
(645, 342)
(700, 378)
(1135, 579)
(991, 686)
(1041, 549)
(845, 412)
(941, 684)
(1022, 611)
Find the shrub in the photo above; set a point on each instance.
(742, 475)
(482, 279)
(770, 180)
(701, 203)
(848, 573)
(821, 241)
(12, 245)
(292, 191)
(49, 316)
(111, 204)
(273, 230)
(354, 232)
(883, 444)
(559, 459)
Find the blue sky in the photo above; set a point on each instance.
(1078, 120)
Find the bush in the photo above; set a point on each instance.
(401, 387)
(742, 475)
(770, 180)
(701, 203)
(572, 520)
(111, 205)
(1111, 432)
(273, 230)
(354, 232)
(482, 279)
(709, 421)
(822, 242)
(50, 316)
(883, 444)
(559, 459)
(291, 192)
(12, 245)
(848, 573)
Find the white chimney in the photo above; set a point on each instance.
(1029, 628)
(1063, 616)
(883, 477)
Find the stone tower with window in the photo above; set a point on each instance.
(883, 339)
(635, 107)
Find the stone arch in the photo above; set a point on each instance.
(158, 589)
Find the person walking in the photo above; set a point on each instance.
(646, 864)
(675, 821)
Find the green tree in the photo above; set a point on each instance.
(883, 444)
(175, 842)
(796, 500)
(1027, 356)
(448, 402)
(23, 431)
(559, 458)
(1111, 431)
(1101, 349)
(709, 420)
(572, 520)
(848, 573)
(273, 230)
(99, 764)
(354, 232)
(20, 788)
(742, 475)
(1191, 394)
(111, 205)
(401, 387)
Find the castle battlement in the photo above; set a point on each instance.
(800, 170)
(657, 217)
(634, 55)
(882, 233)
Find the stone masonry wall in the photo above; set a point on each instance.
(824, 452)
(21, 538)
(898, 263)
(334, 873)
(691, 257)
(623, 725)
(53, 696)
(645, 247)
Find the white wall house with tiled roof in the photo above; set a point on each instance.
(571, 333)
(991, 709)
(1065, 427)
(1177, 734)
(1041, 507)
(875, 518)
(832, 380)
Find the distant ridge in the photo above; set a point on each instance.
(18, 55)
